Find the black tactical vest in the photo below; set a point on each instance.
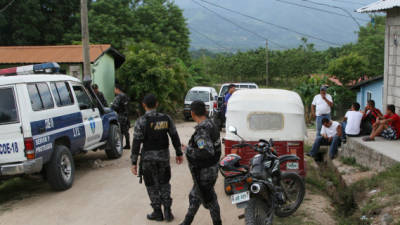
(156, 133)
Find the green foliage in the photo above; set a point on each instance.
(348, 68)
(37, 22)
(150, 68)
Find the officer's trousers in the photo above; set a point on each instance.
(204, 194)
(156, 175)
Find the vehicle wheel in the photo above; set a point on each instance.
(60, 171)
(258, 212)
(294, 191)
(225, 185)
(114, 147)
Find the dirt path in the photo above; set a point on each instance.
(107, 193)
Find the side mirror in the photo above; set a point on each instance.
(232, 130)
(271, 142)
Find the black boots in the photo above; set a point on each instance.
(168, 214)
(188, 220)
(156, 215)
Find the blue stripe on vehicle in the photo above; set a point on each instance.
(70, 126)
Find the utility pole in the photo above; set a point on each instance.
(266, 63)
(85, 41)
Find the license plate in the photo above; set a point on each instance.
(241, 197)
(292, 165)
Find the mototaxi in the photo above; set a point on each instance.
(264, 114)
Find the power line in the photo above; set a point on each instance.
(241, 27)
(272, 24)
(8, 5)
(318, 9)
(351, 2)
(208, 38)
(335, 7)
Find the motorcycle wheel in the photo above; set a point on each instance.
(259, 212)
(294, 191)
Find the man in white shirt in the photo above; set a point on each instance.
(352, 121)
(331, 134)
(321, 107)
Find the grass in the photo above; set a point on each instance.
(18, 188)
(351, 161)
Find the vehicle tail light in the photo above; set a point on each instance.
(215, 105)
(249, 180)
(29, 148)
(228, 188)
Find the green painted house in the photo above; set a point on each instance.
(105, 61)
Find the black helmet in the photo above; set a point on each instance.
(230, 166)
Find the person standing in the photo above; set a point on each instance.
(203, 153)
(120, 105)
(331, 134)
(152, 131)
(99, 95)
(321, 107)
(231, 90)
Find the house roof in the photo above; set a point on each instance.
(381, 5)
(362, 83)
(57, 53)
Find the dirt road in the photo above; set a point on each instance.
(106, 193)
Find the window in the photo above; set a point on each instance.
(8, 108)
(265, 121)
(40, 96)
(62, 93)
(85, 102)
(198, 96)
(45, 95)
(369, 95)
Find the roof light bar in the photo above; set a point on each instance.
(44, 68)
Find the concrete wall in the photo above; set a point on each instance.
(376, 89)
(103, 74)
(392, 59)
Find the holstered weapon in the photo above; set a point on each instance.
(140, 172)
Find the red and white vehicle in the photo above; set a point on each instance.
(264, 114)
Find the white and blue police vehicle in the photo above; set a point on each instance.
(46, 118)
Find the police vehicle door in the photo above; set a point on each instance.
(11, 137)
(90, 116)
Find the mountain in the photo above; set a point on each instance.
(211, 31)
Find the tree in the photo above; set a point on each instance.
(150, 68)
(348, 68)
(37, 22)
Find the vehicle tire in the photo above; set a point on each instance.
(114, 148)
(60, 171)
(258, 212)
(294, 191)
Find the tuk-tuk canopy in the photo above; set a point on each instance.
(266, 113)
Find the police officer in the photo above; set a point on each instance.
(203, 154)
(99, 95)
(120, 105)
(152, 131)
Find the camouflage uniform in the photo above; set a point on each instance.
(155, 162)
(120, 105)
(203, 153)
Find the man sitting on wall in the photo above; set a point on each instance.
(371, 114)
(352, 121)
(387, 127)
(331, 133)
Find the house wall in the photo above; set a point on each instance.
(392, 59)
(376, 89)
(103, 74)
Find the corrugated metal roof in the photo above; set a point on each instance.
(381, 5)
(42, 54)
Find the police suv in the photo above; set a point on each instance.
(45, 119)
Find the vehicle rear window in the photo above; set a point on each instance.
(8, 108)
(62, 93)
(40, 96)
(203, 96)
(265, 121)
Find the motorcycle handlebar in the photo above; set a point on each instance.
(242, 145)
